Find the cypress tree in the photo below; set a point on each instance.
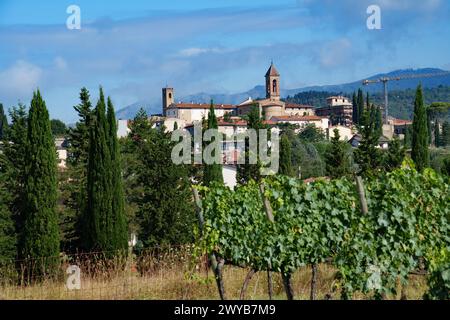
(336, 158)
(420, 153)
(360, 103)
(8, 237)
(212, 172)
(41, 230)
(3, 123)
(286, 157)
(367, 155)
(15, 147)
(75, 186)
(355, 115)
(120, 230)
(97, 220)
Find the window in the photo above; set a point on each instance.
(170, 95)
(274, 86)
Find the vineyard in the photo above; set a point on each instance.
(376, 232)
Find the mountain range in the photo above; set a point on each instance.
(346, 88)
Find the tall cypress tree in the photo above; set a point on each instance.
(286, 157)
(355, 115)
(212, 172)
(360, 103)
(120, 230)
(75, 184)
(41, 230)
(3, 123)
(420, 152)
(97, 220)
(8, 237)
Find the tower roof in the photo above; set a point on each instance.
(272, 72)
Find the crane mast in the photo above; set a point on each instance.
(385, 80)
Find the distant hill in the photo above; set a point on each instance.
(401, 102)
(346, 89)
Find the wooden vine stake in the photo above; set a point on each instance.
(216, 263)
(362, 195)
(286, 277)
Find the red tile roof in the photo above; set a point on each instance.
(200, 106)
(297, 118)
(298, 106)
(400, 122)
(273, 72)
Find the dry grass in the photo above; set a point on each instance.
(177, 281)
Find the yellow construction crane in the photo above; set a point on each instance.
(385, 80)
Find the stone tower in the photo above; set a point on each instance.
(272, 83)
(167, 99)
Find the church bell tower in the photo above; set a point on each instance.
(272, 83)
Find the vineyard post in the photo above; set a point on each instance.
(216, 264)
(246, 282)
(362, 195)
(269, 214)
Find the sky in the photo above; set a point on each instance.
(134, 48)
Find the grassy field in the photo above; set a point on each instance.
(178, 282)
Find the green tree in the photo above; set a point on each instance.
(166, 213)
(212, 172)
(445, 139)
(437, 135)
(132, 165)
(355, 115)
(286, 157)
(367, 155)
(360, 103)
(59, 128)
(15, 147)
(394, 156)
(310, 133)
(75, 183)
(97, 219)
(3, 123)
(247, 171)
(119, 222)
(41, 231)
(8, 238)
(337, 158)
(420, 153)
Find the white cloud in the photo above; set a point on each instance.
(20, 79)
(60, 63)
(192, 52)
(335, 53)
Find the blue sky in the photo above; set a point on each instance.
(133, 48)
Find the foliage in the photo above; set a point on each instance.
(8, 239)
(286, 157)
(59, 128)
(367, 155)
(337, 158)
(165, 208)
(394, 156)
(311, 133)
(408, 219)
(40, 236)
(248, 171)
(212, 172)
(3, 123)
(74, 181)
(419, 153)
